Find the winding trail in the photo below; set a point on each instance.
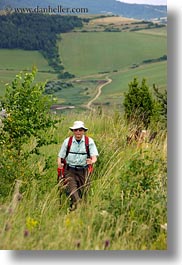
(109, 80)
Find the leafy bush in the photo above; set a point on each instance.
(138, 104)
(162, 103)
(27, 110)
(27, 122)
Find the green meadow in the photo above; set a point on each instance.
(125, 208)
(112, 54)
(154, 73)
(92, 56)
(21, 60)
(14, 61)
(91, 53)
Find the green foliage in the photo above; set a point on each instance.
(162, 103)
(141, 175)
(138, 104)
(162, 58)
(36, 32)
(141, 180)
(27, 109)
(25, 129)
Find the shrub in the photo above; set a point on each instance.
(27, 122)
(138, 104)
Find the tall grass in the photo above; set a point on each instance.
(123, 210)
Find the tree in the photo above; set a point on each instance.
(138, 104)
(27, 118)
(162, 103)
(27, 111)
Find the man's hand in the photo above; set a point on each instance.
(60, 165)
(89, 161)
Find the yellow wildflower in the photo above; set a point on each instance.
(31, 223)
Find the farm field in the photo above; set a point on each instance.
(14, 61)
(156, 32)
(101, 23)
(153, 73)
(92, 56)
(21, 60)
(91, 53)
(121, 50)
(114, 20)
(79, 94)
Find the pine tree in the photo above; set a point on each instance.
(138, 104)
(162, 103)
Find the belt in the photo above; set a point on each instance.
(77, 167)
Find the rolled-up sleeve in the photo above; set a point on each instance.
(62, 152)
(93, 148)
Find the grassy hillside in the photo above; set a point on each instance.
(14, 61)
(154, 73)
(94, 56)
(125, 208)
(118, 55)
(20, 60)
(91, 53)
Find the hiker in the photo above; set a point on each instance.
(76, 157)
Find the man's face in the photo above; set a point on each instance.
(78, 133)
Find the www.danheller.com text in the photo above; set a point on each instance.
(59, 9)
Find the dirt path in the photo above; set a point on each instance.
(98, 93)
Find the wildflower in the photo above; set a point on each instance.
(104, 213)
(26, 233)
(31, 223)
(164, 226)
(10, 210)
(19, 197)
(106, 244)
(7, 227)
(67, 222)
(77, 244)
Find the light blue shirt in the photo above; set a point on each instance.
(77, 147)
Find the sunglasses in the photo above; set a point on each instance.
(80, 130)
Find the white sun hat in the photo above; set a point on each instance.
(78, 125)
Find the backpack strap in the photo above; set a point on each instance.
(86, 146)
(69, 145)
(90, 167)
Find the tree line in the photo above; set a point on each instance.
(37, 32)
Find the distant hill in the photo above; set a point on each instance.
(137, 11)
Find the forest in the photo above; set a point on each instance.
(36, 32)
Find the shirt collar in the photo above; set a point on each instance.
(81, 140)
